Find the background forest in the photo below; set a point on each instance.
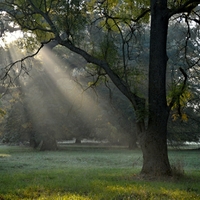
(60, 89)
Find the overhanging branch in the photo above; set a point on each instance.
(136, 101)
(187, 7)
(9, 67)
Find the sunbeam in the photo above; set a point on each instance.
(67, 86)
(54, 105)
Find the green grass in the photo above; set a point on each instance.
(92, 173)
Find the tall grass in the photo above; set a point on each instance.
(91, 173)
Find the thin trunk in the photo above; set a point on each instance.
(154, 141)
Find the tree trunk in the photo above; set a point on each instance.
(155, 158)
(33, 143)
(48, 143)
(154, 140)
(154, 148)
(78, 141)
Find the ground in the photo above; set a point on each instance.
(92, 172)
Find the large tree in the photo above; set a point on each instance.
(105, 34)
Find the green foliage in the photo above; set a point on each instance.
(179, 3)
(28, 42)
(34, 17)
(180, 95)
(2, 112)
(72, 21)
(107, 51)
(121, 11)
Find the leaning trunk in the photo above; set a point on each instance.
(154, 140)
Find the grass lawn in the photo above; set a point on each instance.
(91, 173)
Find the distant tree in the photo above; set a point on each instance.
(69, 23)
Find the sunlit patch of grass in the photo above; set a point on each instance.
(45, 196)
(148, 191)
(68, 196)
(3, 155)
(106, 190)
(179, 194)
(52, 197)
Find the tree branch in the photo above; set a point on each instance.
(120, 84)
(11, 65)
(187, 7)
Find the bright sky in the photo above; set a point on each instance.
(10, 37)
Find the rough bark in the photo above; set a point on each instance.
(154, 140)
(154, 148)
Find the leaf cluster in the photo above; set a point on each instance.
(180, 96)
(47, 18)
